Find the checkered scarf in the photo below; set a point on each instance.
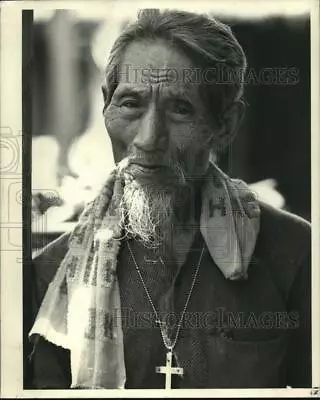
(81, 309)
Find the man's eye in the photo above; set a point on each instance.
(130, 104)
(181, 108)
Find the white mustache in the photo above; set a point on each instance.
(176, 168)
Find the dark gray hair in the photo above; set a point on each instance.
(205, 40)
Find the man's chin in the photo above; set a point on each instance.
(147, 209)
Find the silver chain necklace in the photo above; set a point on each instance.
(168, 370)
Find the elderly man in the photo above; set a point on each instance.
(176, 276)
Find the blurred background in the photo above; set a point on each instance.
(71, 152)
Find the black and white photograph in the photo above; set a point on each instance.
(168, 195)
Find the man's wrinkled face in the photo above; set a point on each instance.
(156, 117)
(158, 123)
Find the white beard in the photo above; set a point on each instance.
(147, 212)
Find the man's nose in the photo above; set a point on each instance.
(151, 135)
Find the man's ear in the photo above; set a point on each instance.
(230, 122)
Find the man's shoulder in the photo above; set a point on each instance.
(284, 229)
(283, 245)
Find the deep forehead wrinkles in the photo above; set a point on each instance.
(157, 75)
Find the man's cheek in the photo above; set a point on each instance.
(119, 144)
(183, 136)
(195, 160)
(118, 129)
(184, 158)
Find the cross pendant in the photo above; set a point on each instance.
(169, 370)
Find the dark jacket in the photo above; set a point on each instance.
(264, 339)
